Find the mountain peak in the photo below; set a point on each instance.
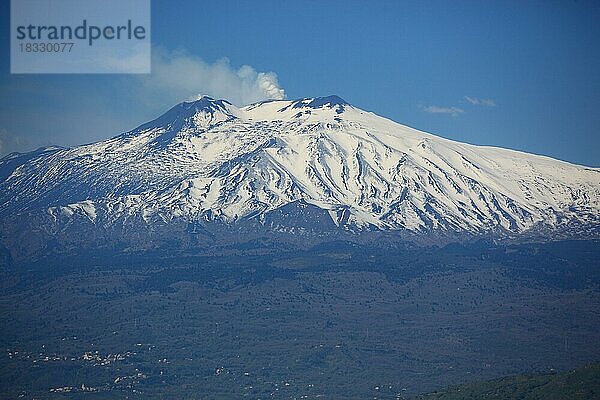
(331, 102)
(201, 113)
(206, 103)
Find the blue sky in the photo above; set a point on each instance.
(522, 75)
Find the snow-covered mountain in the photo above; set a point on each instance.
(208, 160)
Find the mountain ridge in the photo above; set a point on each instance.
(207, 160)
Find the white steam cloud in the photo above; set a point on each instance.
(177, 76)
(109, 106)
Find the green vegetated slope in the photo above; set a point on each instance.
(582, 383)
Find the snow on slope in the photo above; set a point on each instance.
(208, 159)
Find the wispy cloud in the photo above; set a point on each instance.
(454, 111)
(480, 102)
